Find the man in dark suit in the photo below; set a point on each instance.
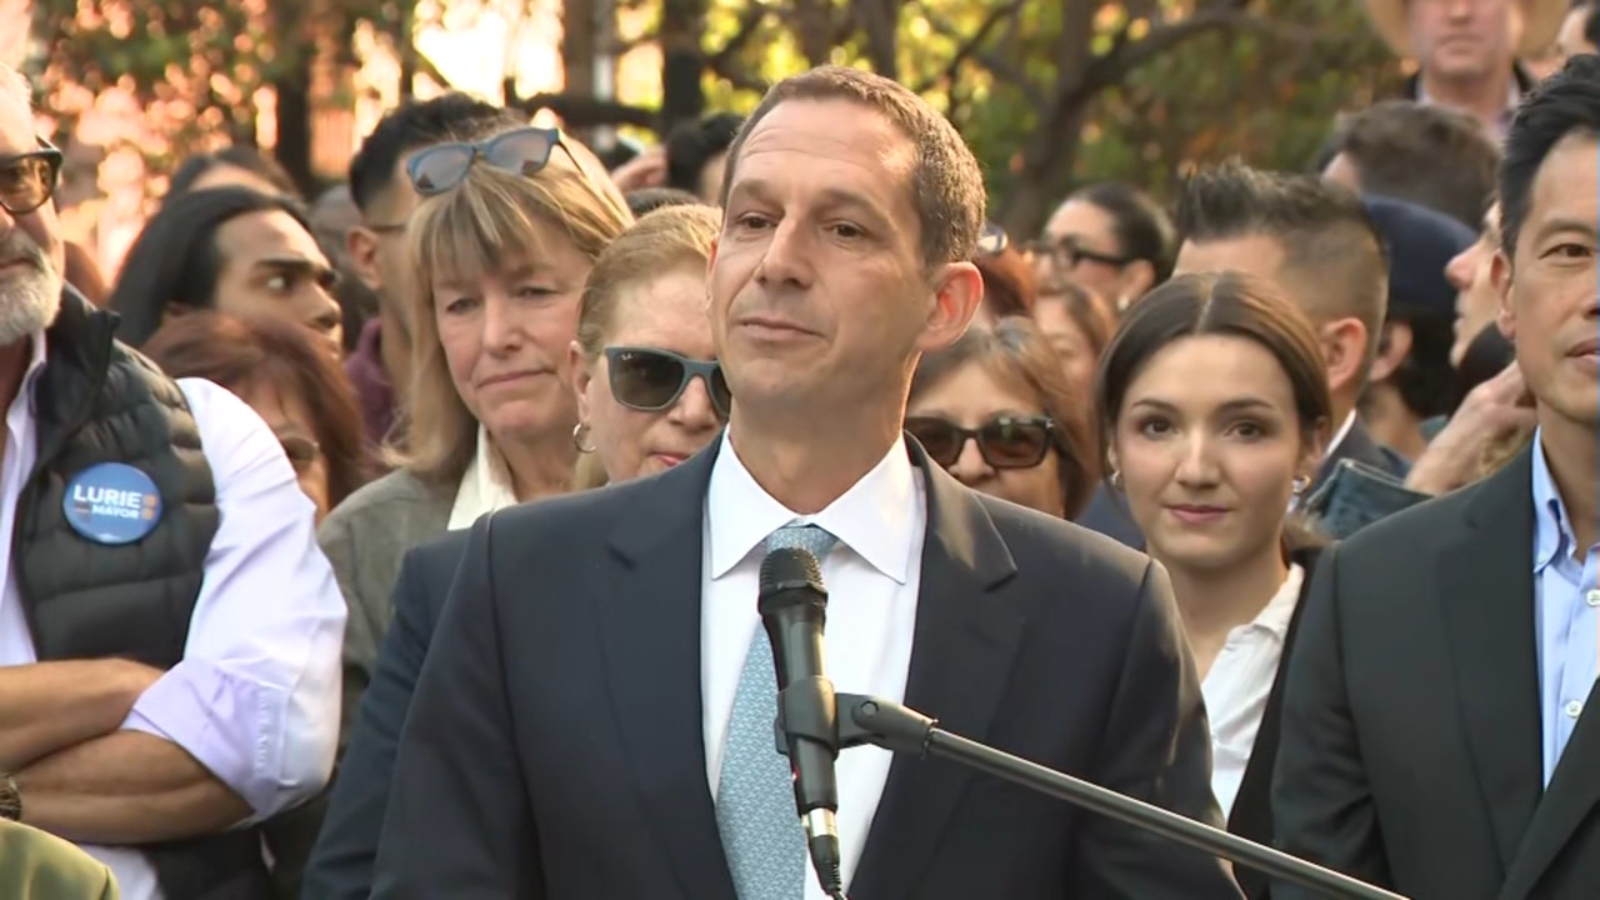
(1439, 733)
(594, 719)
(340, 867)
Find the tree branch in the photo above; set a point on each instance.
(1126, 56)
(723, 62)
(584, 111)
(998, 66)
(425, 66)
(968, 49)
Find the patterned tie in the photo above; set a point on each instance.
(761, 833)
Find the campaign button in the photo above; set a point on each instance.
(112, 503)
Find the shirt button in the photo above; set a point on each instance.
(1593, 598)
(1574, 708)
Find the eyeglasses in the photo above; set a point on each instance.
(993, 240)
(28, 180)
(1067, 254)
(1006, 442)
(652, 380)
(522, 152)
(302, 452)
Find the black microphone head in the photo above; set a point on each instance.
(788, 568)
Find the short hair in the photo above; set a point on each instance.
(175, 257)
(242, 353)
(1228, 303)
(415, 125)
(644, 201)
(1567, 102)
(692, 145)
(238, 156)
(1328, 239)
(946, 183)
(475, 228)
(1591, 24)
(1431, 155)
(1143, 229)
(1016, 353)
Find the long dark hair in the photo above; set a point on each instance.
(241, 353)
(1016, 352)
(175, 259)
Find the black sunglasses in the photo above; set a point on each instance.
(524, 152)
(28, 180)
(652, 380)
(1006, 442)
(302, 452)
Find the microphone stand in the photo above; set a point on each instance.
(868, 720)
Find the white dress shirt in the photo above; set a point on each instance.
(256, 697)
(1236, 688)
(872, 577)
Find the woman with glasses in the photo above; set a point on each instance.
(1214, 403)
(289, 380)
(650, 394)
(996, 410)
(1112, 238)
(500, 247)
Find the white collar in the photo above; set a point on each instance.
(1338, 438)
(875, 517)
(485, 487)
(1275, 616)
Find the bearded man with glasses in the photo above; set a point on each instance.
(169, 632)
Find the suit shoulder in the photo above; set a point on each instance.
(1041, 540)
(397, 492)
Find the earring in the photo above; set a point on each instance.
(580, 433)
(1116, 479)
(1301, 484)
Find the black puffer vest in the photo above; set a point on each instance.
(97, 401)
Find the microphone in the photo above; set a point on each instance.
(794, 605)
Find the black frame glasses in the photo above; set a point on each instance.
(523, 151)
(1066, 254)
(18, 198)
(635, 372)
(1000, 439)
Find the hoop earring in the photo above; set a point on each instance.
(580, 433)
(1116, 479)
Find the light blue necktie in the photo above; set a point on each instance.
(761, 833)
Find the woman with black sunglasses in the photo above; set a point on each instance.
(997, 411)
(650, 395)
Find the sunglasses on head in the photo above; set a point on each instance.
(27, 180)
(1006, 442)
(652, 380)
(523, 152)
(993, 240)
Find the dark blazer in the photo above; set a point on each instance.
(554, 747)
(341, 863)
(1251, 816)
(1411, 740)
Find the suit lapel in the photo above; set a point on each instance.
(1487, 606)
(1574, 792)
(650, 625)
(964, 644)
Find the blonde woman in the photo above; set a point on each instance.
(649, 394)
(500, 248)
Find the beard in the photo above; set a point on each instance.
(30, 294)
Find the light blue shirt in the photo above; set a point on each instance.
(1567, 610)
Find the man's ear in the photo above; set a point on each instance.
(1344, 348)
(957, 291)
(1502, 277)
(1393, 348)
(361, 245)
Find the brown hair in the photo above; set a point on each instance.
(244, 353)
(1431, 155)
(1008, 288)
(1085, 307)
(946, 182)
(1017, 353)
(662, 242)
(1216, 304)
(473, 229)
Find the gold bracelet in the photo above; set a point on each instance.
(10, 798)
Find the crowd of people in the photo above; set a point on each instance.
(405, 543)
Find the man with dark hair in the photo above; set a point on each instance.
(697, 153)
(609, 736)
(1433, 156)
(1315, 243)
(1441, 717)
(235, 249)
(380, 188)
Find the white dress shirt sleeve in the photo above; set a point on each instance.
(256, 697)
